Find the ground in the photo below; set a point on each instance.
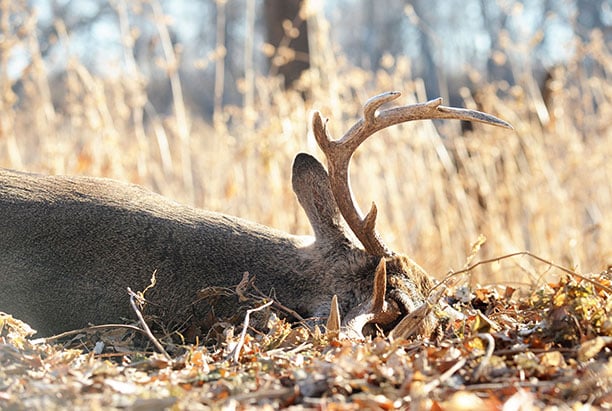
(549, 348)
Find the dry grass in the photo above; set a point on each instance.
(544, 187)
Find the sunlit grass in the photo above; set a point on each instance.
(544, 187)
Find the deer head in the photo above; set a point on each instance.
(409, 284)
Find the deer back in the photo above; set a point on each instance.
(70, 247)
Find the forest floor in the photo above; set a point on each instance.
(546, 349)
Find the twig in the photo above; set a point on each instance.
(243, 286)
(236, 351)
(528, 254)
(267, 394)
(488, 353)
(524, 349)
(124, 354)
(492, 386)
(278, 305)
(303, 346)
(45, 340)
(429, 387)
(145, 327)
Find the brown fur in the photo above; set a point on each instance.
(70, 246)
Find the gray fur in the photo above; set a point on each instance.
(70, 246)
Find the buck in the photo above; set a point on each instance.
(71, 246)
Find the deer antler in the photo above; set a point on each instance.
(376, 310)
(339, 153)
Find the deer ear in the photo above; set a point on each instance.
(311, 186)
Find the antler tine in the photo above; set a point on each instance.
(338, 156)
(374, 103)
(339, 153)
(434, 109)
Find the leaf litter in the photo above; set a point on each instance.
(548, 349)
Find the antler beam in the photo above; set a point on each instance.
(339, 153)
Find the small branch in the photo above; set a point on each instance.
(429, 387)
(488, 354)
(46, 340)
(528, 254)
(278, 305)
(236, 351)
(145, 327)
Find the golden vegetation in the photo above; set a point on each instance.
(544, 188)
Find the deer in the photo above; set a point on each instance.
(71, 246)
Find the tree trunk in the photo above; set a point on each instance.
(286, 30)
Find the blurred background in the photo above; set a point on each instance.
(208, 102)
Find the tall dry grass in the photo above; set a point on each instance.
(544, 187)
